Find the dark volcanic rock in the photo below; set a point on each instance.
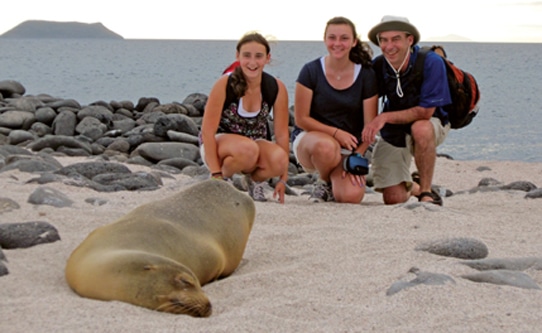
(458, 247)
(516, 264)
(426, 278)
(56, 141)
(49, 196)
(175, 122)
(534, 194)
(92, 169)
(27, 234)
(504, 277)
(10, 88)
(165, 150)
(7, 205)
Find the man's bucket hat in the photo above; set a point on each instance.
(394, 23)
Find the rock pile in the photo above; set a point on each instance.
(145, 133)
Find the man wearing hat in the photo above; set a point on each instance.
(412, 122)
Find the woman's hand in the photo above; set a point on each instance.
(354, 179)
(280, 189)
(345, 139)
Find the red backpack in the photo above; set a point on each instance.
(463, 89)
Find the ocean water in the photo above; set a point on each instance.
(509, 76)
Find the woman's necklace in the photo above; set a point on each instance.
(337, 75)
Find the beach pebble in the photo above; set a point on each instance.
(96, 201)
(487, 181)
(31, 165)
(426, 278)
(99, 112)
(40, 130)
(519, 186)
(534, 194)
(16, 137)
(171, 108)
(178, 162)
(175, 122)
(198, 100)
(121, 126)
(45, 115)
(49, 196)
(138, 181)
(157, 151)
(3, 269)
(11, 87)
(27, 234)
(182, 137)
(56, 141)
(64, 124)
(91, 127)
(504, 277)
(9, 150)
(91, 169)
(516, 264)
(16, 119)
(7, 205)
(26, 103)
(64, 103)
(458, 247)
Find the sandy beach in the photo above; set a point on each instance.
(307, 267)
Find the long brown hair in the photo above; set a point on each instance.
(238, 83)
(361, 53)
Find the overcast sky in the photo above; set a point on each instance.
(476, 20)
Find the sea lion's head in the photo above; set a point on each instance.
(178, 292)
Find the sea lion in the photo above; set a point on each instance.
(160, 254)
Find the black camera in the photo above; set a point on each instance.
(356, 164)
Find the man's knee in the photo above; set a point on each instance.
(422, 130)
(395, 194)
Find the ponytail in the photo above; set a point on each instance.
(238, 82)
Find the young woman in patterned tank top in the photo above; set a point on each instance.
(227, 148)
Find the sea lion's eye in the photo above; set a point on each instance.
(185, 283)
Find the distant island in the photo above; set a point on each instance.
(449, 38)
(50, 29)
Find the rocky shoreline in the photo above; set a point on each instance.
(147, 132)
(120, 130)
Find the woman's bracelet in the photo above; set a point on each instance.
(217, 174)
(283, 182)
(336, 130)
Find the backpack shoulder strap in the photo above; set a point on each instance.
(418, 65)
(378, 68)
(230, 94)
(270, 89)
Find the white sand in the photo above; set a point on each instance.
(307, 267)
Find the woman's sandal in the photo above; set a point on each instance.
(437, 200)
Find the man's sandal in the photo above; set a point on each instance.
(416, 177)
(437, 200)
